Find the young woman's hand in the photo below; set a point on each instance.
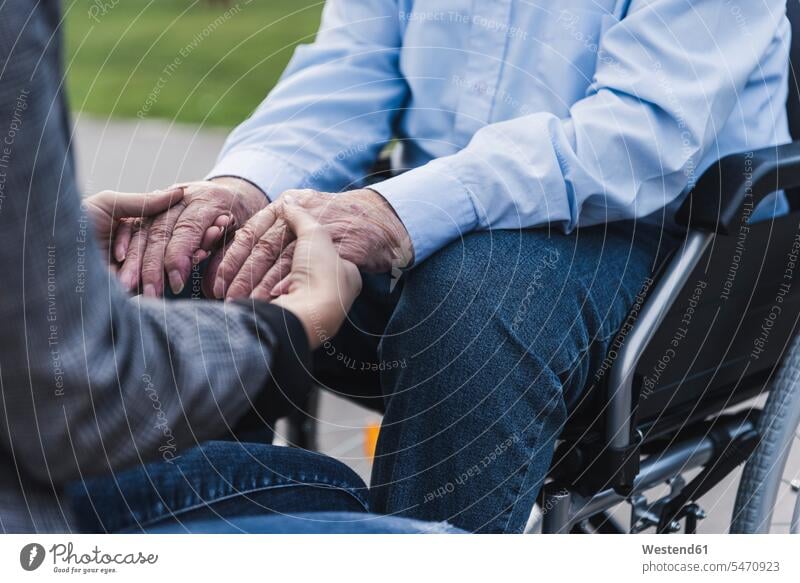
(321, 286)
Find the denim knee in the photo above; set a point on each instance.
(550, 301)
(497, 332)
(217, 480)
(474, 383)
(519, 292)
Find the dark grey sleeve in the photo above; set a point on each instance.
(90, 380)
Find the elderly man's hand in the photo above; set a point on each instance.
(170, 242)
(361, 223)
(109, 210)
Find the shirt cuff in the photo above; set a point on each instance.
(272, 174)
(435, 208)
(290, 377)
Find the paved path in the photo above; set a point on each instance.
(147, 155)
(135, 155)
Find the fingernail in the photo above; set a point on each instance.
(120, 254)
(198, 257)
(175, 281)
(150, 291)
(218, 285)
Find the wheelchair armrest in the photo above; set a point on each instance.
(722, 199)
(732, 187)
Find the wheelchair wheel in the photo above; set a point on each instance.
(767, 499)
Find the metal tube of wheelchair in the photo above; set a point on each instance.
(620, 401)
(557, 511)
(563, 508)
(656, 470)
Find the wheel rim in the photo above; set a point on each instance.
(786, 513)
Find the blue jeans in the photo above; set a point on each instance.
(218, 480)
(235, 487)
(481, 352)
(311, 523)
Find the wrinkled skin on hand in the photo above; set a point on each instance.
(362, 225)
(110, 212)
(150, 249)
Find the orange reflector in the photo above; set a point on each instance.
(371, 432)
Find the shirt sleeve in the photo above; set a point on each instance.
(668, 76)
(313, 130)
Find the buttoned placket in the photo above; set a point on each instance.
(489, 31)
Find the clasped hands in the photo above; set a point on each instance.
(152, 240)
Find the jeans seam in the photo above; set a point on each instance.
(583, 351)
(206, 504)
(546, 413)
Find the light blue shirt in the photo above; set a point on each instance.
(514, 114)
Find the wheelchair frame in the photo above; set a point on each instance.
(564, 507)
(713, 207)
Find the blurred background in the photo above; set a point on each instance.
(193, 61)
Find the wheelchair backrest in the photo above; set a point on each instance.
(728, 330)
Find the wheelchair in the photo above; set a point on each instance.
(715, 332)
(712, 334)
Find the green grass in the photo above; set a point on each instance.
(184, 60)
